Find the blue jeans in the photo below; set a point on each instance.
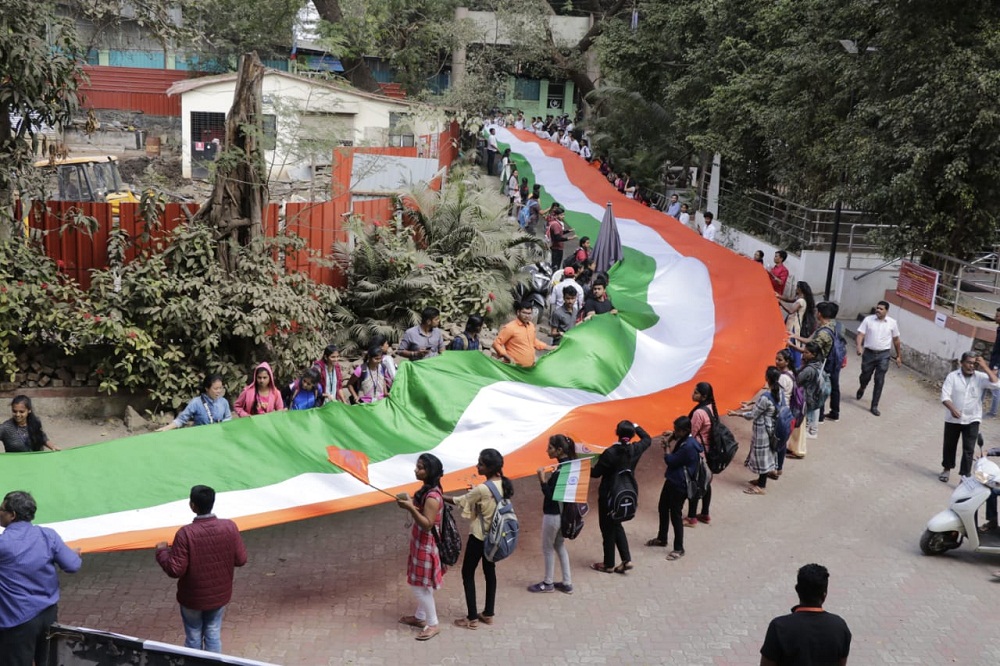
(203, 627)
(994, 402)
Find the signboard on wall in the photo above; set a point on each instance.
(917, 284)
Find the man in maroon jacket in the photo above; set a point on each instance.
(203, 558)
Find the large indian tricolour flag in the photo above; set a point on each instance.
(689, 311)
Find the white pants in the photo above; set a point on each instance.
(552, 543)
(426, 610)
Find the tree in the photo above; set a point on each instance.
(38, 88)
(230, 28)
(235, 209)
(455, 250)
(355, 68)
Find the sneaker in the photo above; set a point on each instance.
(564, 588)
(832, 417)
(542, 587)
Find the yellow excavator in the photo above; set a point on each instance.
(90, 179)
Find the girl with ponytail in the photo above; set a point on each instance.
(479, 506)
(562, 449)
(704, 414)
(621, 456)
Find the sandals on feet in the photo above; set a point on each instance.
(754, 490)
(943, 476)
(988, 526)
(623, 568)
(486, 619)
(675, 555)
(466, 623)
(412, 621)
(659, 543)
(599, 566)
(428, 633)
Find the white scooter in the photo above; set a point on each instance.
(952, 526)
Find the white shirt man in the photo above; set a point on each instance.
(962, 396)
(574, 145)
(556, 297)
(708, 233)
(877, 335)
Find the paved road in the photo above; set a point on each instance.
(329, 590)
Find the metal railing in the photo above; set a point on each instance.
(964, 285)
(791, 225)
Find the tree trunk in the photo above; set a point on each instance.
(355, 69)
(235, 210)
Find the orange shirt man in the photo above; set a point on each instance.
(516, 342)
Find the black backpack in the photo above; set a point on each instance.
(449, 541)
(698, 484)
(571, 519)
(624, 498)
(722, 445)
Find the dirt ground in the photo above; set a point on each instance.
(69, 432)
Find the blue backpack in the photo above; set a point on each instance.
(784, 422)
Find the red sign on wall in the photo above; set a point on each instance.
(918, 284)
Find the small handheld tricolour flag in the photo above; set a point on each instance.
(573, 481)
(354, 463)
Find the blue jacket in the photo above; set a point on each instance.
(196, 413)
(684, 455)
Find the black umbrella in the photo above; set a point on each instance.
(608, 249)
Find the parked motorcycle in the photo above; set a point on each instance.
(956, 524)
(536, 289)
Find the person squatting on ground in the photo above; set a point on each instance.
(424, 571)
(962, 396)
(619, 458)
(562, 449)
(680, 452)
(478, 505)
(23, 432)
(809, 634)
(762, 411)
(702, 416)
(29, 581)
(203, 558)
(877, 336)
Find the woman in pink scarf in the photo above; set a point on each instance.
(260, 397)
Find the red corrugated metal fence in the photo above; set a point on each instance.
(131, 89)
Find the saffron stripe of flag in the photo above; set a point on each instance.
(573, 481)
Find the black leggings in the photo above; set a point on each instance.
(706, 502)
(473, 554)
(671, 513)
(612, 535)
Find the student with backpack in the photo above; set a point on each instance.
(562, 449)
(618, 494)
(424, 570)
(469, 339)
(681, 453)
(704, 415)
(794, 396)
(810, 378)
(370, 382)
(762, 411)
(479, 505)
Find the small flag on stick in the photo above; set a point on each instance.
(354, 463)
(573, 481)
